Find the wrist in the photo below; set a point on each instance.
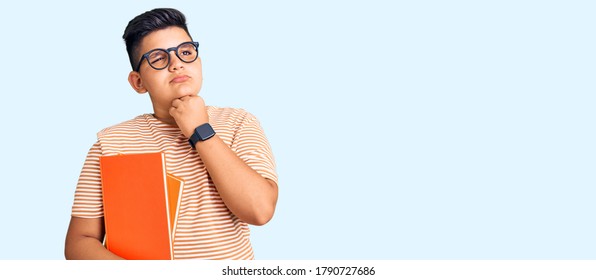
(189, 128)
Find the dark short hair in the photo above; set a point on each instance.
(147, 22)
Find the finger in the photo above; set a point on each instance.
(176, 102)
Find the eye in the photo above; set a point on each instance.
(157, 57)
(155, 60)
(187, 50)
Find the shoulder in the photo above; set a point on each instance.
(227, 115)
(126, 127)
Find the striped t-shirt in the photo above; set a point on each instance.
(206, 228)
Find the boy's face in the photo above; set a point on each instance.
(177, 80)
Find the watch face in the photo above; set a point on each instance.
(205, 131)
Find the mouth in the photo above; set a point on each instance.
(180, 79)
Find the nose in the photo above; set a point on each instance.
(175, 62)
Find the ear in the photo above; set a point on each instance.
(135, 81)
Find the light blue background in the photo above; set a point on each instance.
(401, 129)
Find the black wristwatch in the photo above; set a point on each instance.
(202, 133)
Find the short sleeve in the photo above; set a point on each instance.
(251, 145)
(88, 196)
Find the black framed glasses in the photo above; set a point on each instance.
(160, 58)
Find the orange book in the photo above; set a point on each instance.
(140, 205)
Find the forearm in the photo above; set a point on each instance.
(83, 240)
(245, 192)
(87, 248)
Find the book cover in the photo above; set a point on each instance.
(136, 205)
(175, 186)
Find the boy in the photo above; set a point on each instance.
(221, 153)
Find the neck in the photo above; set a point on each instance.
(166, 119)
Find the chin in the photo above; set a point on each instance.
(188, 91)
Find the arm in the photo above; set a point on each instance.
(245, 192)
(85, 235)
(84, 240)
